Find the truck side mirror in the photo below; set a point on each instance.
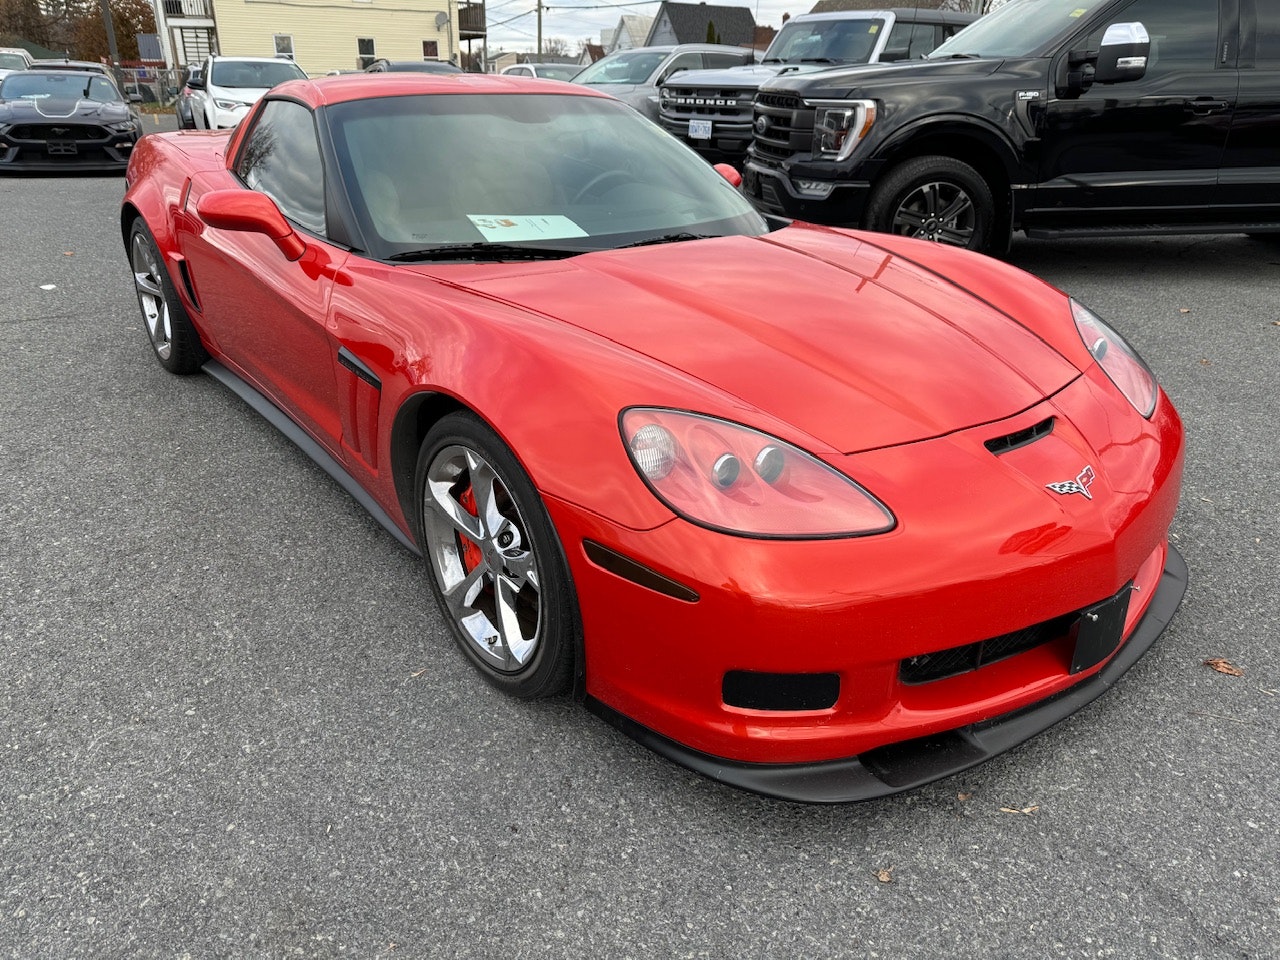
(1123, 54)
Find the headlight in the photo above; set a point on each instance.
(124, 126)
(729, 477)
(229, 104)
(840, 125)
(1118, 360)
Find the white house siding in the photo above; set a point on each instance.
(325, 31)
(664, 32)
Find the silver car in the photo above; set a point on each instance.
(633, 76)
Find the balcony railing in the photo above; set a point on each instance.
(188, 9)
(471, 21)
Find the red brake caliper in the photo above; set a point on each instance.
(471, 555)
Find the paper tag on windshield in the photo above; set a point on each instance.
(503, 229)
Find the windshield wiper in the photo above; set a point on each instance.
(818, 60)
(669, 238)
(485, 251)
(957, 56)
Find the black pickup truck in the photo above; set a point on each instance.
(1056, 117)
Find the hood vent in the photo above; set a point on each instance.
(1020, 438)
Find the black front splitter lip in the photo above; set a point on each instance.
(913, 763)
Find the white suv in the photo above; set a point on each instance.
(13, 58)
(229, 86)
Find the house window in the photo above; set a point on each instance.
(364, 52)
(430, 50)
(284, 45)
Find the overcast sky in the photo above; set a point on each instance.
(577, 20)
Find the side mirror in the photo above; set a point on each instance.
(195, 83)
(135, 98)
(250, 212)
(1123, 54)
(730, 173)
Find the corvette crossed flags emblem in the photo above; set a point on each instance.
(1081, 484)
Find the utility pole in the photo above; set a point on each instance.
(111, 32)
(539, 2)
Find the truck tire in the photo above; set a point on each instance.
(936, 198)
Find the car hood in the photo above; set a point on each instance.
(847, 342)
(855, 79)
(39, 111)
(751, 76)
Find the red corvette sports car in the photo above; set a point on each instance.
(818, 513)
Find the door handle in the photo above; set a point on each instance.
(1205, 105)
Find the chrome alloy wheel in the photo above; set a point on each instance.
(483, 558)
(155, 310)
(940, 211)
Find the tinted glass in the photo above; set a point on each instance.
(57, 86)
(1021, 28)
(1183, 32)
(282, 159)
(568, 172)
(1268, 35)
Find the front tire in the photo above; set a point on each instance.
(173, 336)
(498, 569)
(935, 198)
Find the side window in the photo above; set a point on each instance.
(685, 61)
(1184, 33)
(364, 52)
(1267, 49)
(281, 158)
(718, 60)
(909, 41)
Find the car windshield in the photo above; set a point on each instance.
(431, 175)
(1018, 29)
(820, 41)
(254, 74)
(631, 66)
(60, 86)
(557, 71)
(11, 61)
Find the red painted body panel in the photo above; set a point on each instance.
(891, 360)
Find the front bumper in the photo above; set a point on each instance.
(97, 154)
(914, 763)
(986, 557)
(773, 191)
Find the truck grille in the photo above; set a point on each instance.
(787, 127)
(61, 133)
(706, 103)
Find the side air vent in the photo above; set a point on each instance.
(1021, 438)
(752, 690)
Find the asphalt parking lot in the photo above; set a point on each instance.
(232, 724)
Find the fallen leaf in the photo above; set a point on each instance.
(885, 874)
(1222, 665)
(1025, 811)
(1184, 309)
(1205, 362)
(68, 253)
(962, 797)
(417, 673)
(1275, 323)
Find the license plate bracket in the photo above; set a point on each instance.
(699, 129)
(1099, 630)
(61, 148)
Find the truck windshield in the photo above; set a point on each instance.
(825, 41)
(1018, 29)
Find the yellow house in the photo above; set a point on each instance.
(328, 35)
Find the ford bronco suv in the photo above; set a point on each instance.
(1056, 117)
(711, 109)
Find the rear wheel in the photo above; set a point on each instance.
(173, 337)
(498, 569)
(936, 198)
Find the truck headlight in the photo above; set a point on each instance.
(840, 125)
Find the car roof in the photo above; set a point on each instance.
(222, 59)
(85, 66)
(898, 13)
(324, 91)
